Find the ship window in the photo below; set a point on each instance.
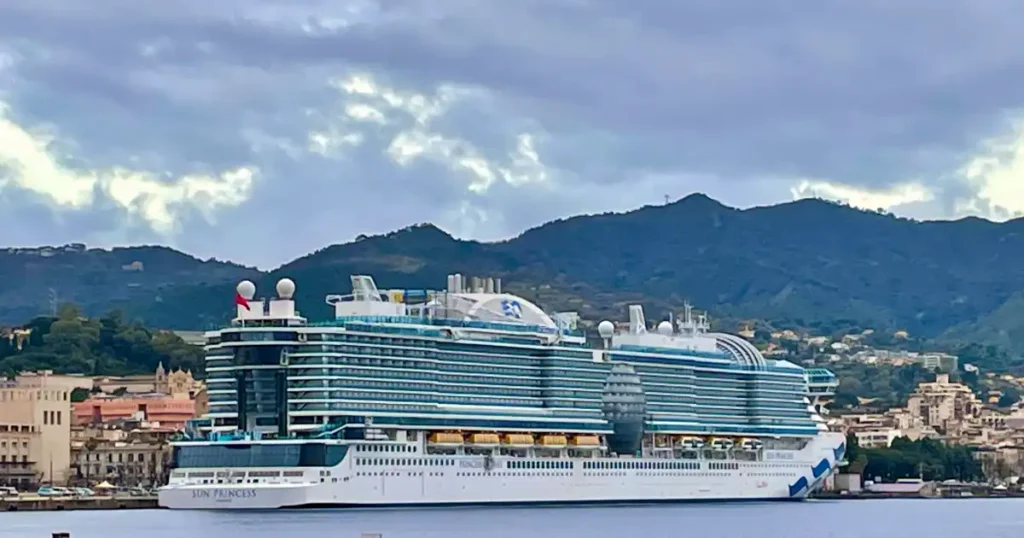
(257, 455)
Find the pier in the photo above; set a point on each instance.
(36, 503)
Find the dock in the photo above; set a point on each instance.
(36, 503)
(948, 493)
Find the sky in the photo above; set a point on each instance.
(261, 130)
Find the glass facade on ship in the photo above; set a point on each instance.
(419, 372)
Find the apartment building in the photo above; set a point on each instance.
(123, 453)
(35, 427)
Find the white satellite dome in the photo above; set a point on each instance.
(246, 289)
(285, 288)
(665, 328)
(606, 329)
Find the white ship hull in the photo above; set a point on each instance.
(465, 481)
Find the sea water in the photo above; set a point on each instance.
(934, 518)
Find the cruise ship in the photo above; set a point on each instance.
(470, 395)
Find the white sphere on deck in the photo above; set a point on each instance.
(285, 288)
(606, 329)
(246, 289)
(665, 328)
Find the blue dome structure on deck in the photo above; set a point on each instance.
(739, 349)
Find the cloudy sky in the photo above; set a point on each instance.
(259, 130)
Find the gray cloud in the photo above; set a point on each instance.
(622, 102)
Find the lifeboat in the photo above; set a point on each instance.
(519, 439)
(553, 441)
(691, 443)
(445, 439)
(586, 441)
(751, 444)
(484, 439)
(721, 443)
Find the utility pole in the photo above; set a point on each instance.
(53, 302)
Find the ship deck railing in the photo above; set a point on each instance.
(446, 322)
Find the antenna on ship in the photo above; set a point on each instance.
(686, 324)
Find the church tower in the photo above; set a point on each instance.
(160, 379)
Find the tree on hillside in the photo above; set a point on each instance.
(925, 458)
(1010, 396)
(884, 384)
(6, 348)
(72, 343)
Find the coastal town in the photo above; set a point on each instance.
(83, 435)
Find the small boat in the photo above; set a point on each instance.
(691, 443)
(721, 443)
(553, 441)
(751, 444)
(446, 439)
(484, 439)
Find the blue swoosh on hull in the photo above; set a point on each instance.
(821, 468)
(840, 451)
(796, 487)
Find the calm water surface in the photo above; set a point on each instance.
(959, 518)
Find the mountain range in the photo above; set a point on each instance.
(809, 263)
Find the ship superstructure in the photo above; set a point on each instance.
(473, 395)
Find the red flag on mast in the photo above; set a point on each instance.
(241, 301)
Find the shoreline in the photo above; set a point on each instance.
(837, 496)
(59, 504)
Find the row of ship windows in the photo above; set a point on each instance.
(308, 355)
(401, 462)
(710, 425)
(556, 464)
(415, 347)
(451, 387)
(556, 473)
(582, 369)
(444, 360)
(563, 378)
(524, 387)
(384, 448)
(345, 341)
(435, 420)
(685, 465)
(539, 464)
(388, 391)
(531, 474)
(373, 377)
(549, 473)
(671, 403)
(589, 412)
(376, 406)
(387, 336)
(360, 401)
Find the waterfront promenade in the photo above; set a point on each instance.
(33, 503)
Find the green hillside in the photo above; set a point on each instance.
(805, 263)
